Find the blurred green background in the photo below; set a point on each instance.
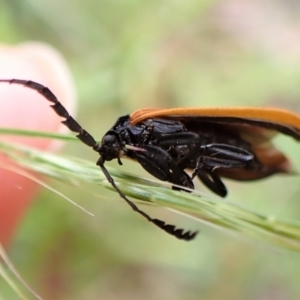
(130, 54)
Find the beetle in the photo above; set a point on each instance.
(211, 142)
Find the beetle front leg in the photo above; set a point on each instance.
(160, 164)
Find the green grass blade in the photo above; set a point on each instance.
(220, 213)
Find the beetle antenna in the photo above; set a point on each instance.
(171, 229)
(83, 135)
(87, 139)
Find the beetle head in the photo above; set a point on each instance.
(109, 148)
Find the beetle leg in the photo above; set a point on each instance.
(189, 139)
(205, 171)
(222, 156)
(211, 163)
(227, 152)
(160, 164)
(213, 182)
(219, 156)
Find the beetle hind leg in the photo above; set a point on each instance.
(220, 157)
(211, 180)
